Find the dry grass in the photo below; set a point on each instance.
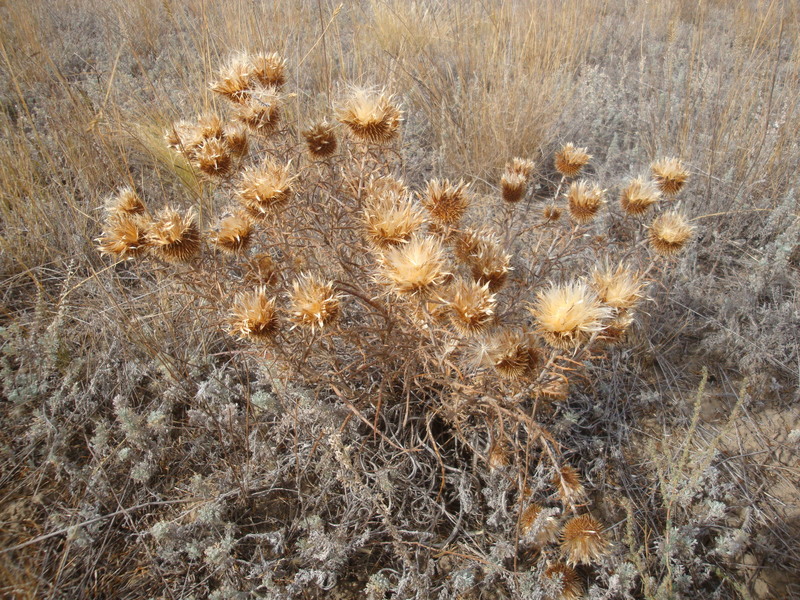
(197, 465)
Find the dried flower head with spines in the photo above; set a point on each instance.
(638, 196)
(262, 110)
(670, 175)
(370, 116)
(213, 157)
(125, 203)
(261, 269)
(445, 201)
(236, 138)
(175, 237)
(314, 303)
(570, 160)
(234, 80)
(386, 187)
(209, 125)
(470, 306)
(538, 526)
(669, 233)
(268, 70)
(568, 485)
(570, 584)
(415, 268)
(551, 213)
(567, 315)
(265, 189)
(617, 287)
(233, 234)
(254, 315)
(582, 540)
(125, 237)
(320, 140)
(514, 182)
(488, 262)
(391, 220)
(584, 200)
(507, 352)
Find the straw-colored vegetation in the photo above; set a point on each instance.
(399, 300)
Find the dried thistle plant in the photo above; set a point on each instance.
(470, 306)
(233, 234)
(514, 182)
(617, 287)
(175, 237)
(254, 315)
(537, 526)
(125, 203)
(570, 160)
(320, 140)
(669, 233)
(446, 202)
(638, 196)
(567, 315)
(391, 220)
(125, 237)
(261, 112)
(670, 175)
(582, 540)
(265, 189)
(371, 116)
(569, 582)
(584, 200)
(415, 268)
(314, 303)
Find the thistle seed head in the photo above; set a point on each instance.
(175, 237)
(268, 70)
(262, 110)
(638, 196)
(568, 484)
(584, 200)
(582, 540)
(415, 268)
(125, 203)
(234, 80)
(261, 269)
(567, 315)
(263, 190)
(570, 160)
(470, 306)
(125, 237)
(445, 201)
(669, 233)
(513, 186)
(254, 316)
(488, 262)
(236, 138)
(391, 220)
(213, 157)
(508, 352)
(569, 582)
(314, 303)
(551, 213)
(670, 175)
(370, 116)
(321, 140)
(233, 234)
(537, 526)
(616, 287)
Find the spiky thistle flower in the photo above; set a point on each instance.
(551, 213)
(638, 196)
(254, 315)
(537, 525)
(617, 328)
(320, 139)
(126, 203)
(508, 352)
(514, 182)
(261, 269)
(470, 306)
(616, 287)
(497, 457)
(567, 315)
(415, 268)
(175, 237)
(582, 540)
(386, 187)
(233, 234)
(670, 175)
(125, 237)
(265, 189)
(269, 70)
(314, 303)
(489, 263)
(236, 138)
(234, 80)
(570, 160)
(209, 125)
(569, 582)
(568, 484)
(261, 112)
(213, 157)
(391, 220)
(445, 201)
(371, 116)
(669, 233)
(584, 200)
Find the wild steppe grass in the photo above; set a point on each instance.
(338, 362)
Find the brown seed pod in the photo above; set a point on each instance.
(570, 160)
(213, 157)
(415, 268)
(370, 116)
(638, 196)
(567, 315)
(262, 110)
(321, 140)
(568, 484)
(669, 233)
(584, 200)
(470, 306)
(268, 70)
(582, 540)
(125, 237)
(125, 204)
(264, 190)
(618, 287)
(670, 175)
(175, 237)
(391, 220)
(537, 526)
(233, 234)
(551, 213)
(234, 80)
(314, 303)
(446, 202)
(254, 315)
(571, 586)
